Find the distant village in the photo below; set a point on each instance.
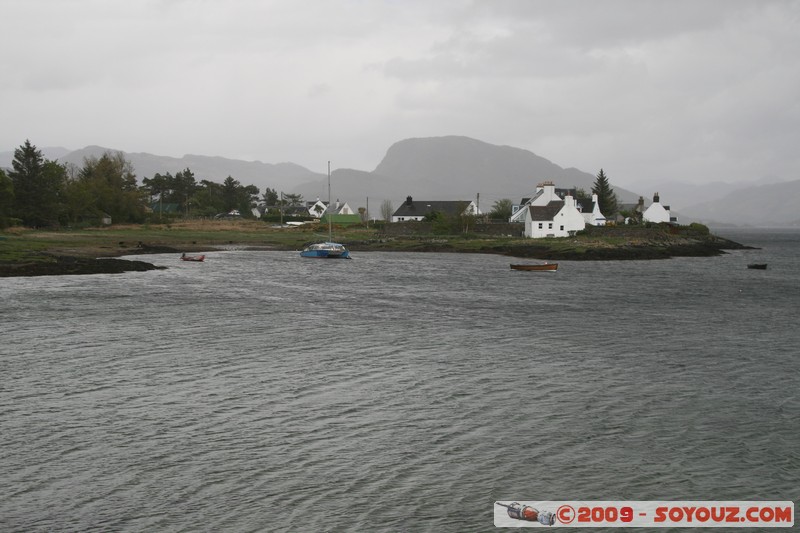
(549, 212)
(40, 193)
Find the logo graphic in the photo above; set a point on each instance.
(529, 514)
(645, 513)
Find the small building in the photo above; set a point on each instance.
(559, 218)
(546, 192)
(418, 210)
(591, 213)
(658, 213)
(164, 208)
(319, 208)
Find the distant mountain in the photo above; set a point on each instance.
(280, 176)
(51, 152)
(451, 168)
(762, 205)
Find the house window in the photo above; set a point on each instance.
(540, 225)
(562, 228)
(550, 225)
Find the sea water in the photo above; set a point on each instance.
(259, 391)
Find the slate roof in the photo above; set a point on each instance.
(162, 207)
(546, 212)
(587, 208)
(420, 208)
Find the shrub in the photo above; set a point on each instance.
(699, 228)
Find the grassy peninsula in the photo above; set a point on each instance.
(26, 252)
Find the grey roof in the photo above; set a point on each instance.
(420, 208)
(546, 212)
(561, 193)
(588, 207)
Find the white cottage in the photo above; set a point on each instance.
(316, 209)
(320, 208)
(417, 210)
(545, 193)
(657, 212)
(559, 218)
(594, 217)
(342, 209)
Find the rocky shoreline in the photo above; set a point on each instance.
(51, 264)
(62, 265)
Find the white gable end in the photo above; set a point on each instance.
(656, 212)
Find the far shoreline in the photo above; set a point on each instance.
(94, 251)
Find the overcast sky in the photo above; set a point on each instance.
(694, 90)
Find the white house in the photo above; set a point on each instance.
(316, 209)
(319, 208)
(594, 217)
(657, 212)
(341, 209)
(417, 210)
(545, 193)
(559, 218)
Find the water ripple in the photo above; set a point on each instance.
(393, 392)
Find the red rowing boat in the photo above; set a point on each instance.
(198, 258)
(542, 267)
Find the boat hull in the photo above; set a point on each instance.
(196, 258)
(757, 266)
(326, 250)
(547, 267)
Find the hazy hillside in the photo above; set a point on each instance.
(50, 152)
(277, 176)
(764, 205)
(451, 168)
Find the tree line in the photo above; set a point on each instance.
(38, 192)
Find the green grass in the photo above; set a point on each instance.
(26, 245)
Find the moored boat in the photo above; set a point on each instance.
(757, 266)
(326, 250)
(536, 267)
(198, 258)
(329, 249)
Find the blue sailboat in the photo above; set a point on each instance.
(326, 250)
(329, 249)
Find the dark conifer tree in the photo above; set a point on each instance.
(38, 185)
(606, 196)
(6, 199)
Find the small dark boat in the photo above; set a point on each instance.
(198, 258)
(541, 267)
(757, 266)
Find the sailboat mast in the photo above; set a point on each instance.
(330, 221)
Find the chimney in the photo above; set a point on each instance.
(655, 198)
(408, 200)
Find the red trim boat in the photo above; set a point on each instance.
(198, 258)
(541, 267)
